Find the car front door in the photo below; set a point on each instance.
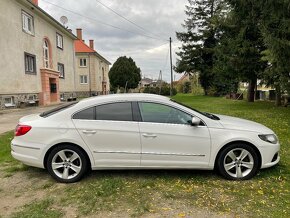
(111, 134)
(168, 140)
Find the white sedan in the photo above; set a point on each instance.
(134, 131)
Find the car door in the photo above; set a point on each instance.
(111, 134)
(168, 139)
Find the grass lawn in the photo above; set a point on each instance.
(169, 193)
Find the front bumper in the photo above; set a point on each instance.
(270, 155)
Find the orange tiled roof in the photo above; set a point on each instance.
(80, 46)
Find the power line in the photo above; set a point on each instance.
(120, 15)
(166, 59)
(145, 49)
(101, 22)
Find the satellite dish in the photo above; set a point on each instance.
(63, 20)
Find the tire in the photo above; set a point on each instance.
(238, 162)
(67, 163)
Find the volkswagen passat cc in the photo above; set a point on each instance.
(131, 131)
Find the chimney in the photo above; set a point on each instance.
(35, 2)
(92, 44)
(80, 34)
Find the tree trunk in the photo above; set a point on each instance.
(251, 90)
(278, 95)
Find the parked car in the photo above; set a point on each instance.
(141, 131)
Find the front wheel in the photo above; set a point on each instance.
(67, 163)
(238, 162)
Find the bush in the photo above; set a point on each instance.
(165, 90)
(186, 87)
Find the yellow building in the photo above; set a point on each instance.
(92, 69)
(37, 56)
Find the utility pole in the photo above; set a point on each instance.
(171, 81)
(160, 81)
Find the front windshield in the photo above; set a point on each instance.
(211, 116)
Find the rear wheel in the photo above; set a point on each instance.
(238, 162)
(67, 163)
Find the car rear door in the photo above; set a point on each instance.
(111, 134)
(169, 141)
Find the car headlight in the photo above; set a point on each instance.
(271, 138)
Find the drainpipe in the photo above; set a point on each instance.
(90, 85)
(74, 71)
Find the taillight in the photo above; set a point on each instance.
(22, 130)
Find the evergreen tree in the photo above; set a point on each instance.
(199, 39)
(276, 35)
(242, 43)
(124, 73)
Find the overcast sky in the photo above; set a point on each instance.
(159, 19)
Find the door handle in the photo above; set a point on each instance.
(146, 135)
(89, 132)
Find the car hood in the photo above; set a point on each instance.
(242, 124)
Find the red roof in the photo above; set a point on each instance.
(80, 46)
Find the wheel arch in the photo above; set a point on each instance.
(66, 143)
(239, 142)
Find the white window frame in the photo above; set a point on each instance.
(60, 69)
(59, 41)
(11, 103)
(27, 23)
(83, 79)
(29, 63)
(83, 62)
(46, 54)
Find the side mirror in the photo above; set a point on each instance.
(195, 121)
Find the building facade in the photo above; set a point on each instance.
(92, 69)
(37, 63)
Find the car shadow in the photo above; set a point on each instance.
(153, 174)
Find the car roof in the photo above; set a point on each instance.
(123, 97)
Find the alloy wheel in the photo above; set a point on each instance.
(238, 163)
(66, 164)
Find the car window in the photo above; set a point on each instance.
(87, 114)
(57, 109)
(121, 111)
(159, 113)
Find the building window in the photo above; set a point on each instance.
(46, 53)
(9, 101)
(103, 72)
(59, 41)
(30, 63)
(83, 62)
(27, 23)
(84, 79)
(60, 68)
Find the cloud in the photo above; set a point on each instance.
(160, 19)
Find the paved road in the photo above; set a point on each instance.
(9, 118)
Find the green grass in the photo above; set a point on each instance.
(154, 192)
(8, 163)
(41, 209)
(5, 139)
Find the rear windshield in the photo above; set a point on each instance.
(57, 109)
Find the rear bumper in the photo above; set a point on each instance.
(28, 155)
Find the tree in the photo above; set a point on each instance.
(276, 36)
(200, 39)
(242, 45)
(124, 73)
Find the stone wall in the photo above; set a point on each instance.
(19, 100)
